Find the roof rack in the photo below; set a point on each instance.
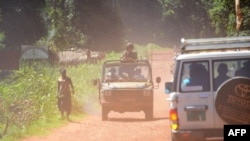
(209, 44)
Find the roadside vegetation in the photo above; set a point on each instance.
(28, 96)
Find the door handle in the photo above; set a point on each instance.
(196, 108)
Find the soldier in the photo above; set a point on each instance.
(128, 54)
(222, 75)
(111, 75)
(138, 74)
(64, 89)
(244, 71)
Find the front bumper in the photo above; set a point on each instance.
(128, 107)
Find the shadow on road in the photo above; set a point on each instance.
(136, 119)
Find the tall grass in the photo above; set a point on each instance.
(28, 96)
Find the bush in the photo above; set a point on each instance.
(29, 94)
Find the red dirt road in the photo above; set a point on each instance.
(126, 126)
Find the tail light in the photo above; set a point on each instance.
(173, 119)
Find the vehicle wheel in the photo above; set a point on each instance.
(149, 113)
(104, 113)
(173, 139)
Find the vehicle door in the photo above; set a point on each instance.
(195, 100)
(224, 70)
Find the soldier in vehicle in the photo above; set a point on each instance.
(138, 74)
(222, 75)
(245, 70)
(198, 71)
(111, 75)
(129, 54)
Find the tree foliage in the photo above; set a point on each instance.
(2, 37)
(21, 21)
(142, 21)
(222, 13)
(61, 24)
(106, 24)
(205, 18)
(187, 18)
(100, 22)
(58, 15)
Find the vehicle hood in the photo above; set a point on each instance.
(127, 85)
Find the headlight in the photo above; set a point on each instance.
(146, 93)
(107, 93)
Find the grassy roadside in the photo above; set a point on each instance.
(28, 98)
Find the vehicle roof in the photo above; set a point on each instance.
(119, 62)
(213, 55)
(220, 43)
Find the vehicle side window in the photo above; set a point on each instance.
(226, 69)
(195, 76)
(244, 70)
(221, 72)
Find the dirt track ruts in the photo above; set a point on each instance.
(126, 126)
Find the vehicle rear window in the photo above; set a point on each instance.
(226, 69)
(195, 76)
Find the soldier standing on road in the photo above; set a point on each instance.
(128, 54)
(64, 89)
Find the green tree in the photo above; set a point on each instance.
(82, 24)
(142, 21)
(21, 22)
(58, 15)
(222, 14)
(100, 22)
(188, 19)
(2, 37)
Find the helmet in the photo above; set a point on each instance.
(129, 46)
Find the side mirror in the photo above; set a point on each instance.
(168, 87)
(158, 79)
(96, 82)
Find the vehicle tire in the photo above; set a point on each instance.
(149, 113)
(172, 138)
(104, 113)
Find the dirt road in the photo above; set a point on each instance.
(126, 126)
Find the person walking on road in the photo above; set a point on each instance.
(64, 89)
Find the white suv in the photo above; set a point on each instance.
(211, 87)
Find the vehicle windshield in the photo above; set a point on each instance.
(127, 72)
